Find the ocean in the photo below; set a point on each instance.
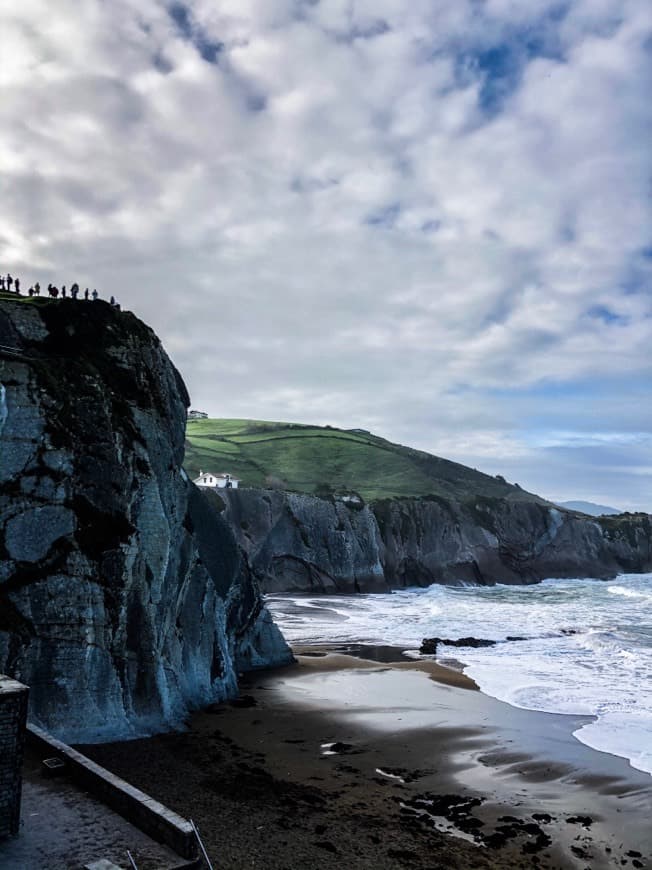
(587, 647)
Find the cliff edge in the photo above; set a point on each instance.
(125, 600)
(302, 543)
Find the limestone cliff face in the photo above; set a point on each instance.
(124, 599)
(497, 541)
(306, 543)
(303, 543)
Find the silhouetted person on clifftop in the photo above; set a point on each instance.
(10, 281)
(94, 294)
(86, 293)
(17, 285)
(37, 289)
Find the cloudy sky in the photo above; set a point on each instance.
(431, 219)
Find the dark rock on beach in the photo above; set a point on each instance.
(429, 644)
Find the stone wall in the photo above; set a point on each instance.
(13, 720)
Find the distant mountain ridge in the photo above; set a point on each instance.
(590, 508)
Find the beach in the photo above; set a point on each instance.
(361, 758)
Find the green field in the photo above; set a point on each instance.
(317, 459)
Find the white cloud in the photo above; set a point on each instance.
(340, 219)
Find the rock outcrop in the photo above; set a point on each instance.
(308, 544)
(301, 542)
(125, 600)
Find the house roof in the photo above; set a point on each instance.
(221, 474)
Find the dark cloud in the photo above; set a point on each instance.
(384, 217)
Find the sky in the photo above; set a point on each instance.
(428, 219)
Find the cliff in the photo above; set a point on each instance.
(304, 543)
(488, 541)
(301, 542)
(125, 600)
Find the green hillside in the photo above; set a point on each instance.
(317, 459)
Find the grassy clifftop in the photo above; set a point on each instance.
(316, 459)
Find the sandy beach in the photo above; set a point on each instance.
(375, 761)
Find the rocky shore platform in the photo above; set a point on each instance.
(360, 758)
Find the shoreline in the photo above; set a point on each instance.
(345, 761)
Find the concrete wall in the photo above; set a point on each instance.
(13, 719)
(140, 809)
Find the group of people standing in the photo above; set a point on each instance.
(7, 283)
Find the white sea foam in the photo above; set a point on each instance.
(608, 732)
(628, 593)
(588, 647)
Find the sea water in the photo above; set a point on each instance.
(587, 646)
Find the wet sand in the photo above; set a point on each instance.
(342, 761)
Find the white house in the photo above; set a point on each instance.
(210, 480)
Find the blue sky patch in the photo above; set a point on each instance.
(501, 70)
(606, 315)
(181, 17)
(500, 65)
(208, 49)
